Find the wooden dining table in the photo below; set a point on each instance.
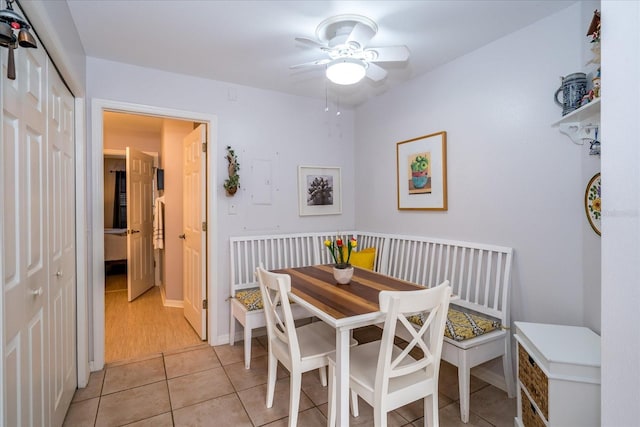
(345, 307)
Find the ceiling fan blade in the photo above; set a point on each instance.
(309, 42)
(311, 64)
(376, 72)
(360, 34)
(387, 54)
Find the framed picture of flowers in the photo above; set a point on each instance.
(593, 204)
(319, 190)
(422, 172)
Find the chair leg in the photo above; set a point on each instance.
(247, 347)
(232, 330)
(331, 415)
(464, 387)
(323, 375)
(508, 371)
(379, 417)
(354, 404)
(272, 371)
(294, 397)
(431, 410)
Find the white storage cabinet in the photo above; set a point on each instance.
(558, 376)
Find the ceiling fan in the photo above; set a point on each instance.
(344, 39)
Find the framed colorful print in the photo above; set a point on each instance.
(319, 190)
(422, 172)
(593, 203)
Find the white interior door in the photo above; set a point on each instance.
(195, 237)
(37, 239)
(140, 274)
(62, 250)
(25, 266)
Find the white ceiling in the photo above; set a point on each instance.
(252, 42)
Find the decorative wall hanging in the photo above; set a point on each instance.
(10, 22)
(593, 203)
(422, 172)
(319, 190)
(232, 183)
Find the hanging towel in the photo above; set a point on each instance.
(158, 224)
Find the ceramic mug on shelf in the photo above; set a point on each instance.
(573, 88)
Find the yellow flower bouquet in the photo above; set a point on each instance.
(338, 248)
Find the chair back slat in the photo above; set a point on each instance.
(275, 289)
(428, 339)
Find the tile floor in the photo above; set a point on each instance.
(209, 386)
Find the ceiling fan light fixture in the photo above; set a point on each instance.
(346, 71)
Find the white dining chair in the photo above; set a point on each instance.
(299, 349)
(387, 376)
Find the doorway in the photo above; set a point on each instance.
(143, 293)
(100, 138)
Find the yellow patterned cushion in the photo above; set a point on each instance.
(250, 298)
(364, 258)
(462, 326)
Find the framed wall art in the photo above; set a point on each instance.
(422, 172)
(593, 203)
(319, 190)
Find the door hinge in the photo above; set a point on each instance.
(204, 147)
(204, 225)
(205, 304)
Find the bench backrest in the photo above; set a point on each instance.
(275, 252)
(479, 274)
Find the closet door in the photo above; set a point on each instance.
(25, 263)
(62, 253)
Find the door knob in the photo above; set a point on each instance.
(133, 231)
(182, 236)
(36, 292)
(58, 273)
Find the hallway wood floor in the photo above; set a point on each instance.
(143, 326)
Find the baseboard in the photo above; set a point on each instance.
(175, 303)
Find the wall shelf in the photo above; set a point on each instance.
(580, 124)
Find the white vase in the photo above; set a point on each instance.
(343, 275)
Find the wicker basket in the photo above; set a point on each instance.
(530, 417)
(535, 381)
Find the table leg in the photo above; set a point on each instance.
(342, 376)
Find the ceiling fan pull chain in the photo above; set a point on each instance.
(326, 97)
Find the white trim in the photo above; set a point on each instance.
(98, 106)
(170, 302)
(82, 315)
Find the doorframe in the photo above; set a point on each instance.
(98, 107)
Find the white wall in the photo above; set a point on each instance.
(513, 180)
(260, 125)
(621, 213)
